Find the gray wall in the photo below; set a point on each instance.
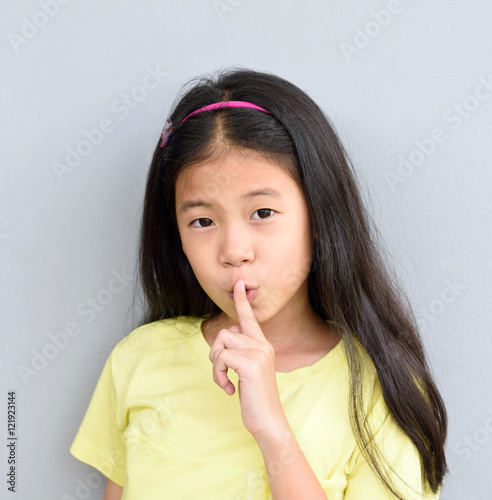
(410, 92)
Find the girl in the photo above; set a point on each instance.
(277, 358)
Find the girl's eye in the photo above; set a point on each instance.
(262, 212)
(192, 223)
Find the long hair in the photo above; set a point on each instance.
(349, 283)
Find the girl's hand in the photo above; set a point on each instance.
(252, 357)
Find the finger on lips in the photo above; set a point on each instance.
(230, 344)
(246, 316)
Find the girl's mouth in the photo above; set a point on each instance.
(250, 294)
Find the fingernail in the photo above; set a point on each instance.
(243, 286)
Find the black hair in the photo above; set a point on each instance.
(349, 283)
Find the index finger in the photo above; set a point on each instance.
(247, 318)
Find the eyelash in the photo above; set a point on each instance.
(205, 218)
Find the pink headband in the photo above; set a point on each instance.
(226, 104)
(168, 127)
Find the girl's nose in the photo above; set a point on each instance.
(236, 247)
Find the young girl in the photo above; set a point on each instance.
(277, 358)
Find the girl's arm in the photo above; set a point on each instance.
(113, 491)
(252, 357)
(289, 473)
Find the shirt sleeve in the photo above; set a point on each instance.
(99, 441)
(401, 462)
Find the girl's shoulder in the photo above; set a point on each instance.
(161, 343)
(162, 334)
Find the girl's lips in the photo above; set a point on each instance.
(250, 294)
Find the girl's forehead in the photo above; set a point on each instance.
(235, 159)
(230, 171)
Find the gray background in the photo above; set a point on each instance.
(404, 85)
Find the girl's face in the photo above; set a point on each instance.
(242, 217)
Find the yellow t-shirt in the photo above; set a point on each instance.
(159, 426)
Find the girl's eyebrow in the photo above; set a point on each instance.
(274, 193)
